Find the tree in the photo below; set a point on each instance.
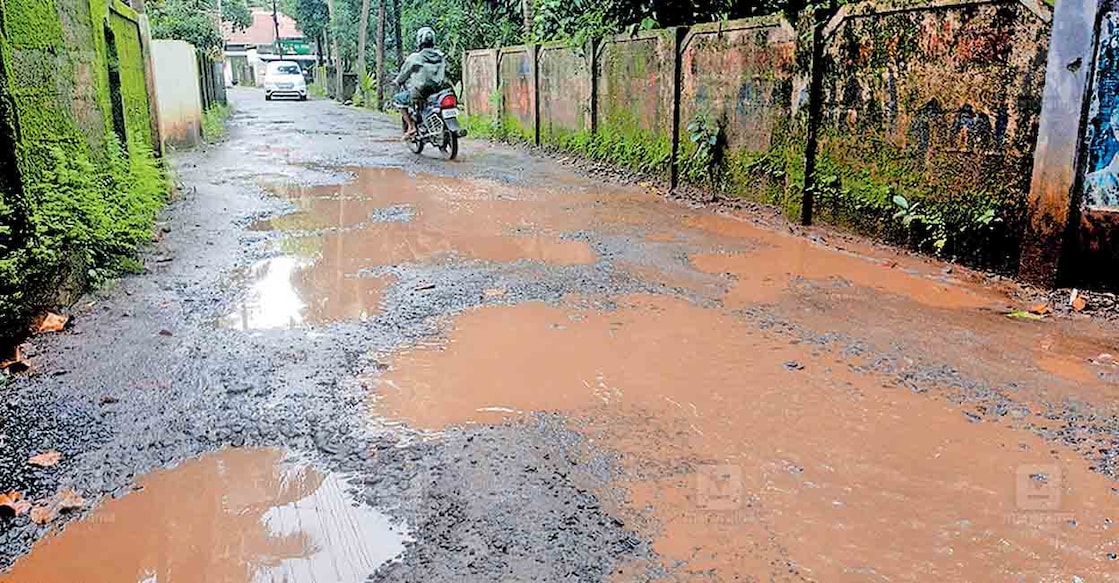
(381, 54)
(363, 38)
(193, 20)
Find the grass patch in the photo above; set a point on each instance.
(214, 123)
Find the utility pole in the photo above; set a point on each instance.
(276, 28)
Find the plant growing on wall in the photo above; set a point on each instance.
(704, 166)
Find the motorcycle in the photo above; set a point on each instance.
(437, 125)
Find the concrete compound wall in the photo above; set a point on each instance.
(565, 92)
(479, 83)
(636, 94)
(936, 103)
(517, 80)
(178, 92)
(742, 76)
(834, 114)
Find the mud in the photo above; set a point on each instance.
(240, 515)
(736, 439)
(538, 375)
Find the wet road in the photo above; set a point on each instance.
(346, 363)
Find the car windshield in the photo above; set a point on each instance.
(287, 70)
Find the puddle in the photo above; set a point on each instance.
(764, 275)
(235, 516)
(756, 454)
(392, 217)
(288, 291)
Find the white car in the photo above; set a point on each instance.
(284, 79)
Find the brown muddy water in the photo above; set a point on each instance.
(238, 516)
(780, 458)
(746, 453)
(386, 217)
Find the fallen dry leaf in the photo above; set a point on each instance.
(42, 514)
(1020, 315)
(68, 500)
(45, 459)
(51, 322)
(1079, 303)
(1040, 309)
(15, 364)
(13, 504)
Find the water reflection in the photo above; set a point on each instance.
(238, 516)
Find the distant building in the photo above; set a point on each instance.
(247, 50)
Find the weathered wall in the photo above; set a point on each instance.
(937, 103)
(178, 92)
(913, 120)
(741, 76)
(565, 93)
(73, 78)
(518, 92)
(636, 96)
(480, 83)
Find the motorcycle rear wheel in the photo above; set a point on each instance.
(450, 146)
(415, 144)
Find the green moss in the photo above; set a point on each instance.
(32, 23)
(82, 203)
(862, 182)
(86, 221)
(622, 140)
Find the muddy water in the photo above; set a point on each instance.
(765, 274)
(232, 517)
(386, 217)
(759, 457)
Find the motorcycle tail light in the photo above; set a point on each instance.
(448, 101)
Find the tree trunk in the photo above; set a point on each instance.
(381, 54)
(396, 34)
(526, 10)
(335, 52)
(362, 44)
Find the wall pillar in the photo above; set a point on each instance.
(1052, 215)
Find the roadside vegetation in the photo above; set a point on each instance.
(214, 123)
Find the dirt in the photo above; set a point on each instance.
(510, 370)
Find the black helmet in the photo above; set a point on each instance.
(425, 38)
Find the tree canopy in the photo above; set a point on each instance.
(194, 21)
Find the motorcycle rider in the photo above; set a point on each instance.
(422, 74)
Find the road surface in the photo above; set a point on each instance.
(344, 363)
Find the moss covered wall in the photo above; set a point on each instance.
(926, 113)
(636, 93)
(75, 205)
(742, 77)
(937, 103)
